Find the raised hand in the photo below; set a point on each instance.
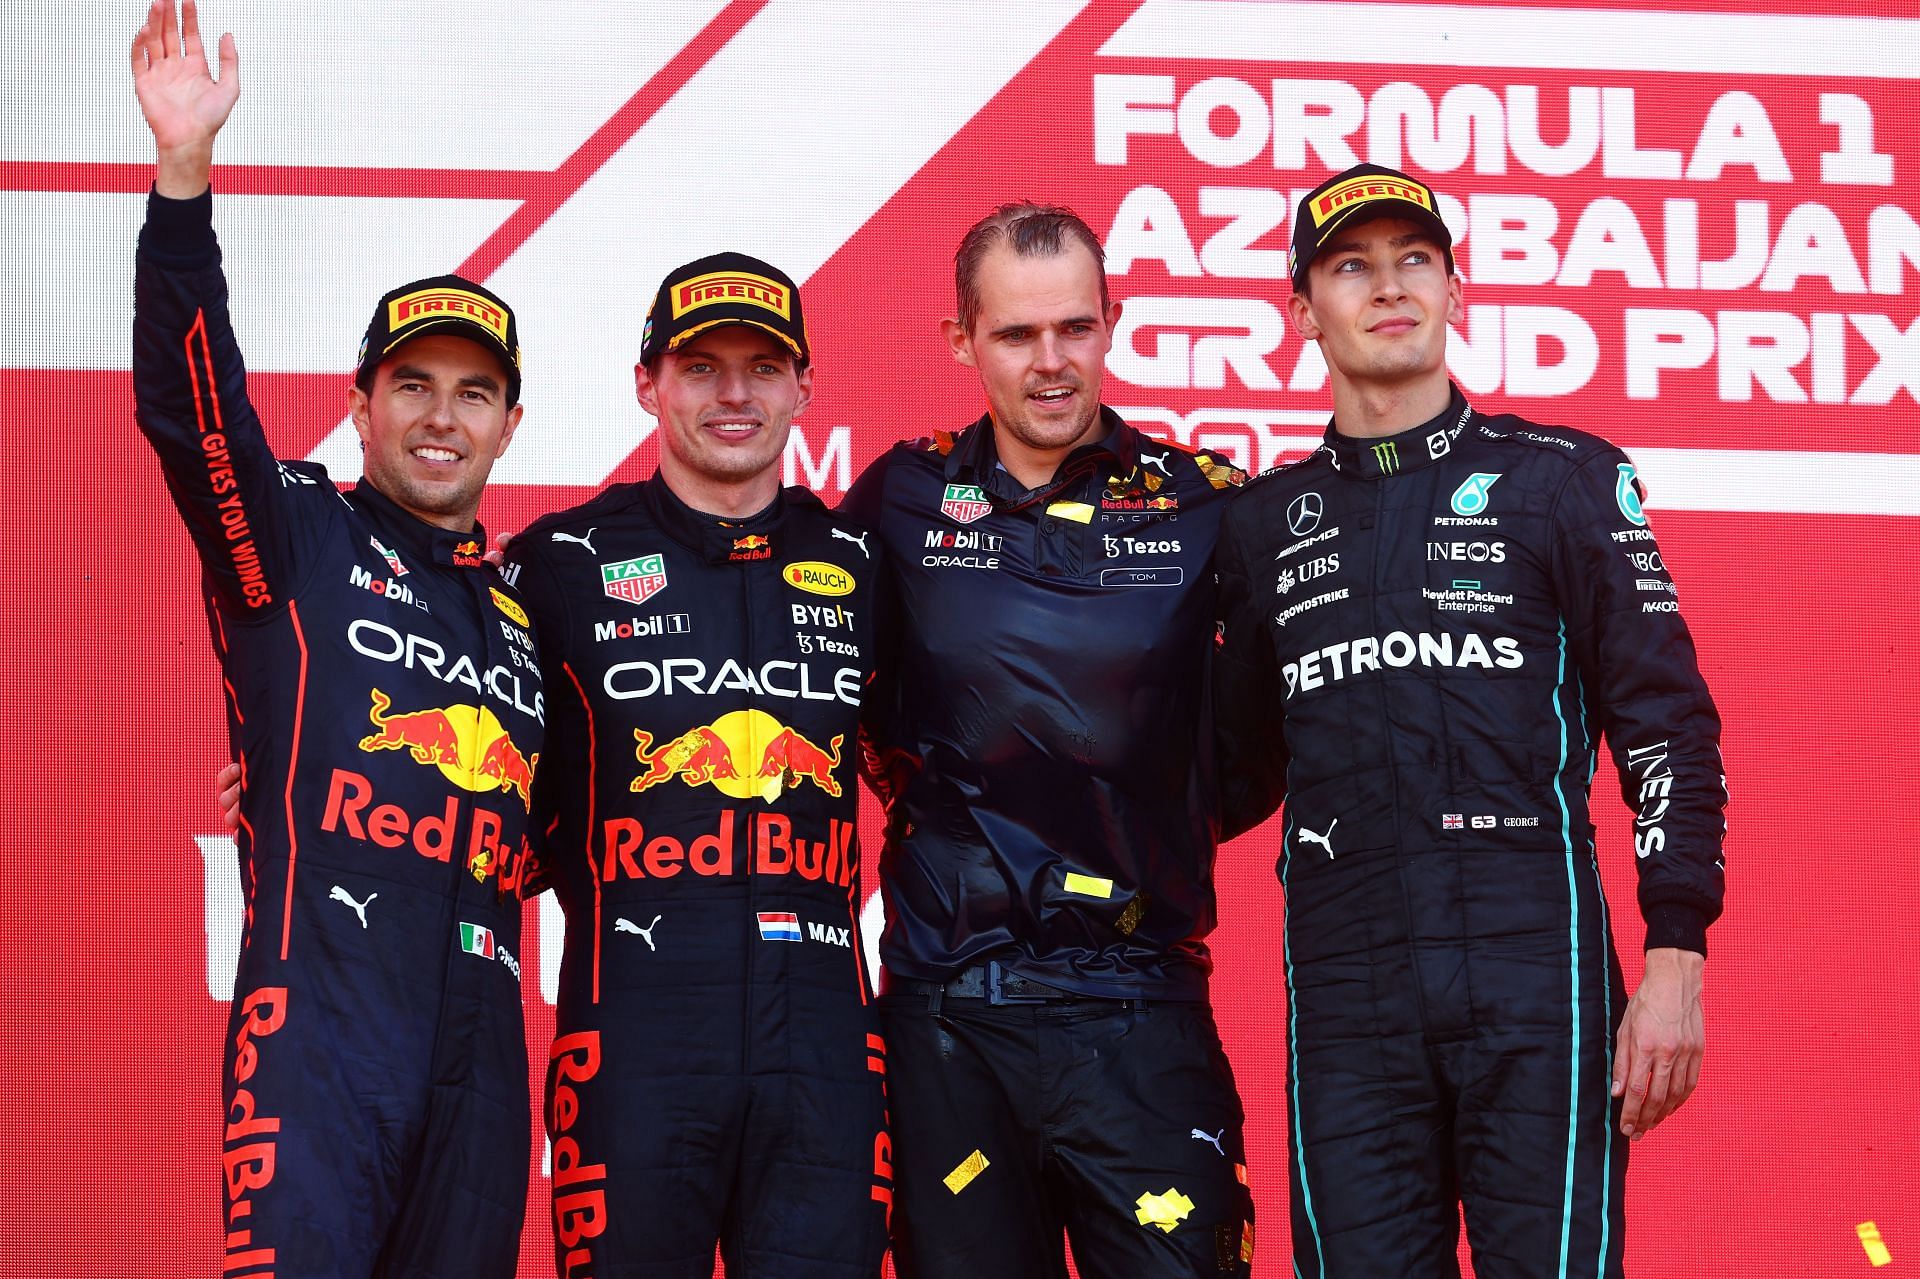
(184, 105)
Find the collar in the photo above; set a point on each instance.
(716, 540)
(975, 460)
(407, 534)
(1409, 450)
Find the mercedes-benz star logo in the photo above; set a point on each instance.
(1303, 515)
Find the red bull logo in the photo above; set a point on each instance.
(468, 744)
(777, 758)
(754, 546)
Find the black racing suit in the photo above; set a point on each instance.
(1037, 735)
(716, 1071)
(384, 702)
(1425, 638)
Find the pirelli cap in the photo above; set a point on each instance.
(726, 288)
(446, 304)
(1361, 194)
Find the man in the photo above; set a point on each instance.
(715, 1074)
(385, 705)
(1053, 1060)
(1429, 624)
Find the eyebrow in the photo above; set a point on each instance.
(414, 373)
(771, 354)
(1397, 242)
(1005, 329)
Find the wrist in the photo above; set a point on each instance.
(182, 172)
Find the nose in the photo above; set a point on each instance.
(1387, 285)
(733, 387)
(441, 415)
(1049, 353)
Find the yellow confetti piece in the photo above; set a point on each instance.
(970, 1167)
(1163, 1210)
(1246, 1243)
(1089, 885)
(1078, 512)
(1870, 1239)
(1240, 1173)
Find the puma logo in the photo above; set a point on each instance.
(340, 894)
(1157, 460)
(1212, 1139)
(860, 541)
(646, 934)
(586, 541)
(1325, 841)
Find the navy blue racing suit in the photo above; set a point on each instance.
(384, 701)
(716, 1072)
(1425, 639)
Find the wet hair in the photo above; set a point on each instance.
(1031, 230)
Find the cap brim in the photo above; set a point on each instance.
(679, 339)
(451, 326)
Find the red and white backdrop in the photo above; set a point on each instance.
(1693, 231)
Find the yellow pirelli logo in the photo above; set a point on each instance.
(1360, 190)
(970, 1167)
(731, 286)
(439, 304)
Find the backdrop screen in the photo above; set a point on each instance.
(1691, 231)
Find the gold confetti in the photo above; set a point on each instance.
(1870, 1239)
(1163, 1210)
(970, 1167)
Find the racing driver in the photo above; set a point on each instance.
(715, 1073)
(385, 705)
(1430, 624)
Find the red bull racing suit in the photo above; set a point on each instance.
(1448, 620)
(716, 1074)
(385, 704)
(1037, 732)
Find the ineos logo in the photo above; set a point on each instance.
(1303, 514)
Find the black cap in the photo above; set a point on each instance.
(727, 288)
(1361, 194)
(446, 304)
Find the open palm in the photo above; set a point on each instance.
(184, 105)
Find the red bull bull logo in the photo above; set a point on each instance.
(777, 758)
(468, 744)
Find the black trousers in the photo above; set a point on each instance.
(1115, 1121)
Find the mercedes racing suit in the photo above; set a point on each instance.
(716, 1072)
(1425, 638)
(1037, 735)
(385, 705)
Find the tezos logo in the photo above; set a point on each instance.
(1471, 497)
(1303, 513)
(1626, 491)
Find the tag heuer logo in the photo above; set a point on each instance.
(635, 580)
(964, 503)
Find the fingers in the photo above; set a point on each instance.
(229, 63)
(1631, 1076)
(169, 30)
(190, 29)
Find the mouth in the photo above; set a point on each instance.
(733, 428)
(434, 454)
(1053, 397)
(1394, 325)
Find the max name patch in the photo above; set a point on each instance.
(435, 304)
(732, 286)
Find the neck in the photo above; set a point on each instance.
(1365, 411)
(727, 499)
(1032, 466)
(461, 521)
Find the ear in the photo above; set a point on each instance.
(960, 341)
(805, 378)
(358, 408)
(514, 415)
(1300, 308)
(645, 391)
(1456, 304)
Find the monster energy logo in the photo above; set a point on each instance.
(1386, 456)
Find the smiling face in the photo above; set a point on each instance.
(726, 400)
(432, 422)
(1039, 341)
(1379, 302)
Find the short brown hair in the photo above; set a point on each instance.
(1031, 230)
